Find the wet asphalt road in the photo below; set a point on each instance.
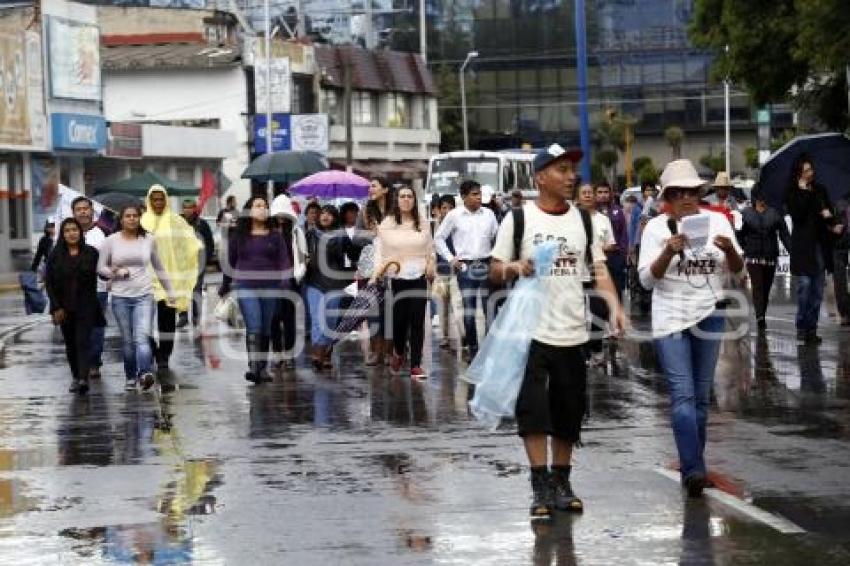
(361, 467)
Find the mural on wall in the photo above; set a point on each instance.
(14, 110)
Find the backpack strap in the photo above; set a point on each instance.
(519, 229)
(588, 232)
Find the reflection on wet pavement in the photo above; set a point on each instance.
(358, 466)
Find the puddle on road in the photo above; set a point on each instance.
(187, 494)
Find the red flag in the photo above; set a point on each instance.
(207, 189)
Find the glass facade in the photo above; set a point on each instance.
(523, 86)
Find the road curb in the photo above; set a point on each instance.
(11, 333)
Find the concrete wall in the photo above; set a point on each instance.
(156, 96)
(117, 20)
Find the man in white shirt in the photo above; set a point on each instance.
(552, 403)
(83, 211)
(472, 229)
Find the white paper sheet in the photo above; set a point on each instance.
(696, 229)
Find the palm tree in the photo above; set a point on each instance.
(674, 136)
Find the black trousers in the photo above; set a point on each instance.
(409, 300)
(761, 277)
(166, 321)
(77, 334)
(599, 313)
(284, 327)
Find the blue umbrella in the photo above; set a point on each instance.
(830, 154)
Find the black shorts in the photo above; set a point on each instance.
(552, 400)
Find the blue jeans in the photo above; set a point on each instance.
(259, 309)
(135, 317)
(809, 299)
(323, 307)
(688, 360)
(472, 286)
(98, 334)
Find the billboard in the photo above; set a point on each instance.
(74, 56)
(309, 132)
(281, 83)
(14, 109)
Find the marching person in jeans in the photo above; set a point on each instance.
(126, 258)
(552, 400)
(472, 229)
(760, 227)
(687, 326)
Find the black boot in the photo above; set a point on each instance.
(263, 362)
(541, 495)
(562, 491)
(252, 347)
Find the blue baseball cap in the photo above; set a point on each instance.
(548, 155)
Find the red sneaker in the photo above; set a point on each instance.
(417, 373)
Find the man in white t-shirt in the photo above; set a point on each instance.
(597, 306)
(83, 211)
(551, 403)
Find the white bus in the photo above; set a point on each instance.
(502, 171)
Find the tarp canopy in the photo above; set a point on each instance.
(138, 186)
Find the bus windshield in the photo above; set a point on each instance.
(447, 173)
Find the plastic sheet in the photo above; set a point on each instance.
(499, 366)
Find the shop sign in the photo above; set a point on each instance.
(78, 131)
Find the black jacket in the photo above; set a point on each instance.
(328, 250)
(759, 232)
(809, 229)
(71, 284)
(204, 232)
(45, 246)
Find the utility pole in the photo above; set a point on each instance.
(581, 60)
(469, 57)
(268, 50)
(346, 101)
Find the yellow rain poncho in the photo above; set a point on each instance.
(178, 249)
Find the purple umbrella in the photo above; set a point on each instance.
(332, 185)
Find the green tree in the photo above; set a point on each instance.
(716, 163)
(781, 50)
(751, 155)
(648, 173)
(674, 136)
(640, 162)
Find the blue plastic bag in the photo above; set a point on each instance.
(499, 366)
(35, 301)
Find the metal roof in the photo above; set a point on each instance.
(169, 56)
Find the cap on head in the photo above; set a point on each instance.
(545, 157)
(681, 173)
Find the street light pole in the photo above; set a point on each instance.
(581, 64)
(727, 120)
(469, 57)
(423, 32)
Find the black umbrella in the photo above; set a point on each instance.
(830, 154)
(285, 166)
(116, 201)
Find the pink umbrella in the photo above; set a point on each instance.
(332, 185)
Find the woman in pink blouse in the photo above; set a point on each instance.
(404, 237)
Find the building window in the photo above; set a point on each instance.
(363, 108)
(398, 105)
(332, 106)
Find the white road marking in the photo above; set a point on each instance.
(776, 522)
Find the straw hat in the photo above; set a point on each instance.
(722, 180)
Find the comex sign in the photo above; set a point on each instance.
(78, 131)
